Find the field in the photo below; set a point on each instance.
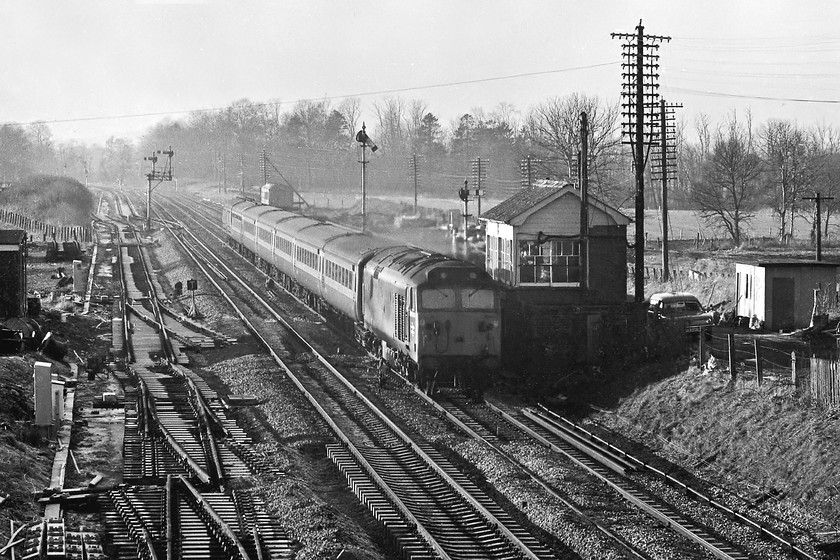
(686, 224)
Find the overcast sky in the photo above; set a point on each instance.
(97, 69)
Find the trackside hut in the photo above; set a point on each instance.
(560, 281)
(781, 294)
(13, 257)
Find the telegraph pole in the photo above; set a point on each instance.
(159, 175)
(414, 169)
(264, 167)
(584, 199)
(640, 82)
(818, 199)
(663, 167)
(526, 170)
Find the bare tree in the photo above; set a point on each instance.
(789, 169)
(351, 110)
(417, 110)
(505, 114)
(554, 127)
(40, 133)
(727, 186)
(391, 130)
(117, 160)
(826, 148)
(702, 125)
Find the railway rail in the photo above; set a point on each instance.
(629, 476)
(177, 505)
(603, 460)
(406, 483)
(620, 542)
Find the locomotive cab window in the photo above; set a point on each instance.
(438, 298)
(477, 298)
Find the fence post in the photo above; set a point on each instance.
(793, 377)
(758, 371)
(732, 373)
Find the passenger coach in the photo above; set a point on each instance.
(434, 318)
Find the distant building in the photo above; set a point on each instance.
(781, 294)
(281, 196)
(560, 280)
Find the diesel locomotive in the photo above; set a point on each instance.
(433, 318)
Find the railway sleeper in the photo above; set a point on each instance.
(402, 534)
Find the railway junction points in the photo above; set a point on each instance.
(200, 437)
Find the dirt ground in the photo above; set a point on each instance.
(26, 453)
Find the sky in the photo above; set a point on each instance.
(96, 69)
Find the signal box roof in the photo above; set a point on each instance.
(531, 199)
(12, 236)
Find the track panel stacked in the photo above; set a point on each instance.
(170, 424)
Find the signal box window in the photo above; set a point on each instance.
(553, 263)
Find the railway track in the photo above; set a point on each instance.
(450, 516)
(629, 549)
(180, 447)
(630, 478)
(621, 473)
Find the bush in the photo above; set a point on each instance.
(55, 200)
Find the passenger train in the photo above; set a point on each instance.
(433, 318)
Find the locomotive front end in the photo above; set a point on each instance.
(458, 318)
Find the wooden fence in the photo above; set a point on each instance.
(749, 357)
(657, 273)
(823, 384)
(46, 232)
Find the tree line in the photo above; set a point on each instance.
(736, 169)
(726, 171)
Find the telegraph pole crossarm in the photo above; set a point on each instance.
(640, 84)
(526, 170)
(664, 166)
(818, 221)
(414, 170)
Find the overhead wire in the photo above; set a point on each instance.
(325, 98)
(744, 96)
(691, 70)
